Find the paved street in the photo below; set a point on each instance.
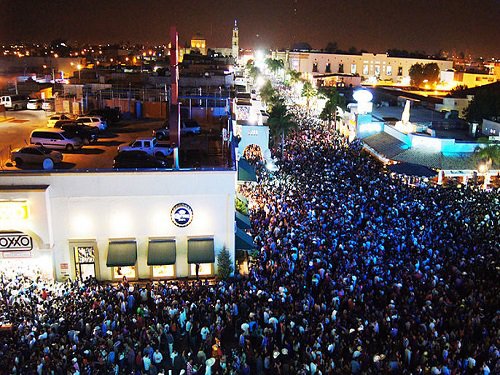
(15, 129)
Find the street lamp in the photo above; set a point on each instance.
(79, 67)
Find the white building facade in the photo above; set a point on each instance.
(143, 225)
(367, 65)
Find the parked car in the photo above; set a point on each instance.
(95, 121)
(58, 117)
(137, 159)
(187, 127)
(14, 102)
(88, 134)
(35, 104)
(150, 146)
(34, 155)
(48, 105)
(55, 138)
(111, 115)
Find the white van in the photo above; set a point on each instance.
(56, 139)
(14, 102)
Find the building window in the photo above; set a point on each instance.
(164, 271)
(315, 67)
(353, 68)
(365, 69)
(128, 271)
(400, 71)
(341, 68)
(328, 68)
(377, 70)
(388, 70)
(206, 269)
(84, 261)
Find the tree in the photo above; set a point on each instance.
(268, 94)
(486, 103)
(253, 72)
(420, 73)
(308, 91)
(489, 155)
(295, 76)
(275, 65)
(281, 122)
(329, 112)
(225, 265)
(331, 47)
(431, 73)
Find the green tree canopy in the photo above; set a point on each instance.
(281, 122)
(420, 73)
(309, 92)
(274, 65)
(486, 103)
(295, 76)
(268, 94)
(329, 112)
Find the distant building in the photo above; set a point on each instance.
(235, 42)
(455, 104)
(199, 44)
(369, 66)
(491, 128)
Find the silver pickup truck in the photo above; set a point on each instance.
(149, 145)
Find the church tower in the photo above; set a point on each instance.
(236, 43)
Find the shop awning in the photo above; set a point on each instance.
(201, 250)
(122, 253)
(161, 252)
(245, 171)
(243, 241)
(242, 221)
(410, 169)
(242, 198)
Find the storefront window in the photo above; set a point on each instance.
(205, 269)
(119, 272)
(164, 271)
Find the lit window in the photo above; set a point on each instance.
(129, 272)
(388, 70)
(164, 271)
(315, 67)
(377, 70)
(365, 69)
(353, 68)
(328, 68)
(205, 269)
(400, 71)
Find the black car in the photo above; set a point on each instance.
(89, 134)
(137, 159)
(111, 115)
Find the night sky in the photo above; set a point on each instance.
(471, 26)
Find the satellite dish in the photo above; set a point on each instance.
(48, 164)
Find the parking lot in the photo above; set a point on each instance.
(16, 127)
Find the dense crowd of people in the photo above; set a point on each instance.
(358, 273)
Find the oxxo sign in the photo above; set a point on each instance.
(181, 214)
(15, 241)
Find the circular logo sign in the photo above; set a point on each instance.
(181, 214)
